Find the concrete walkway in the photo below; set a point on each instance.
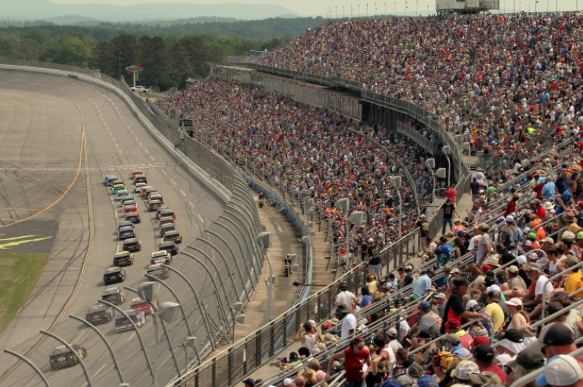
(284, 241)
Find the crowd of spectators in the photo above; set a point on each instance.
(511, 80)
(323, 154)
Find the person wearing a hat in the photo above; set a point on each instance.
(393, 341)
(249, 382)
(487, 378)
(511, 342)
(427, 381)
(561, 370)
(439, 300)
(555, 339)
(530, 301)
(579, 244)
(310, 373)
(505, 256)
(516, 280)
(484, 358)
(423, 284)
(455, 308)
(453, 345)
(463, 371)
(526, 362)
(382, 360)
(571, 222)
(429, 320)
(531, 236)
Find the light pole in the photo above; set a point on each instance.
(395, 13)
(535, 3)
(427, 10)
(264, 239)
(342, 12)
(416, 7)
(430, 164)
(396, 182)
(467, 147)
(385, 9)
(446, 150)
(406, 6)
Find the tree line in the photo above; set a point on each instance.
(167, 62)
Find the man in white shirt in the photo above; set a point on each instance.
(480, 176)
(346, 297)
(347, 319)
(533, 270)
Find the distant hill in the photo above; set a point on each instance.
(252, 30)
(70, 19)
(43, 9)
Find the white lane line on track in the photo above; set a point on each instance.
(113, 139)
(191, 205)
(116, 145)
(98, 371)
(132, 132)
(141, 144)
(78, 337)
(146, 150)
(172, 181)
(132, 336)
(182, 192)
(120, 152)
(164, 172)
(128, 127)
(201, 219)
(152, 158)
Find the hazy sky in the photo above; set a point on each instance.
(313, 8)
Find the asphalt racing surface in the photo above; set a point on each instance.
(43, 164)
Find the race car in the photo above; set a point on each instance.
(135, 173)
(114, 275)
(110, 179)
(167, 226)
(129, 208)
(139, 187)
(161, 256)
(122, 193)
(62, 357)
(142, 306)
(99, 314)
(116, 296)
(126, 233)
(158, 271)
(124, 258)
(132, 244)
(173, 235)
(118, 187)
(166, 219)
(140, 179)
(122, 324)
(156, 196)
(133, 217)
(153, 205)
(169, 246)
(166, 212)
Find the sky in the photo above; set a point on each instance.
(324, 8)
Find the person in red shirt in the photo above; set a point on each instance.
(354, 358)
(450, 193)
(540, 210)
(484, 358)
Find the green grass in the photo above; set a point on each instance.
(19, 273)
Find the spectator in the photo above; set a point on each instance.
(484, 358)
(540, 282)
(574, 280)
(443, 251)
(354, 358)
(429, 321)
(526, 362)
(562, 370)
(346, 297)
(455, 307)
(448, 211)
(511, 343)
(249, 382)
(394, 343)
(344, 314)
(453, 344)
(423, 284)
(309, 339)
(555, 339)
(484, 244)
(494, 310)
(463, 371)
(519, 316)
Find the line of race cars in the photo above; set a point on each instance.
(126, 232)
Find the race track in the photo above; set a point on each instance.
(41, 126)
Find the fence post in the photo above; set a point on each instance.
(31, 364)
(272, 339)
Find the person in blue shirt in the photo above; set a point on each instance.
(366, 297)
(564, 201)
(548, 191)
(563, 181)
(443, 251)
(423, 284)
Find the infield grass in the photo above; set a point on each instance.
(19, 273)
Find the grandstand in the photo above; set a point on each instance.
(521, 118)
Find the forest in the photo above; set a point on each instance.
(169, 55)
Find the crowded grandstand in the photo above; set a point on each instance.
(494, 295)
